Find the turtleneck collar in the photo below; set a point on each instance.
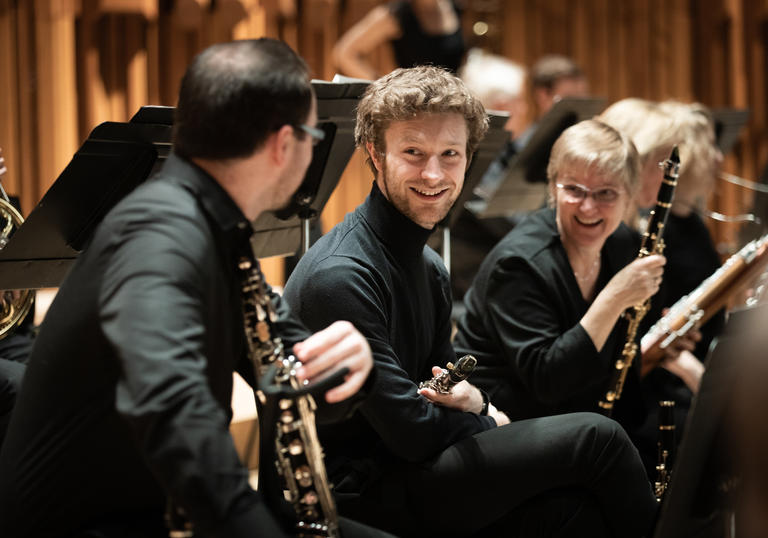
(400, 234)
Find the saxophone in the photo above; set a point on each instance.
(14, 305)
(299, 455)
(652, 243)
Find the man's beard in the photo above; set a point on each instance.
(402, 205)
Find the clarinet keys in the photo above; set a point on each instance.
(453, 374)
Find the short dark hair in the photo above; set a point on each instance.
(549, 69)
(234, 95)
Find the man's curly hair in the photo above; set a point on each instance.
(408, 93)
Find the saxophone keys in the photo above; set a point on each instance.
(261, 314)
(262, 331)
(244, 264)
(295, 447)
(310, 498)
(303, 476)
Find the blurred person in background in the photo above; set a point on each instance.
(421, 32)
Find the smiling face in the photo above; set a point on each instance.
(587, 224)
(422, 170)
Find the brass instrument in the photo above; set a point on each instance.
(710, 296)
(298, 450)
(652, 243)
(451, 375)
(14, 305)
(666, 448)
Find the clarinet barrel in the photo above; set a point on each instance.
(453, 374)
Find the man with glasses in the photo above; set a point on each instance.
(542, 316)
(127, 398)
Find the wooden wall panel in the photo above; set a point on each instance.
(9, 96)
(120, 54)
(56, 87)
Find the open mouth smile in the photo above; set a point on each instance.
(588, 223)
(429, 194)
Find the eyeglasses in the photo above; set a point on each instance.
(575, 194)
(316, 134)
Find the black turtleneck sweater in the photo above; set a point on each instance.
(375, 270)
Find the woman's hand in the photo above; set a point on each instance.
(637, 281)
(687, 367)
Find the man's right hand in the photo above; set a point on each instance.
(465, 397)
(339, 345)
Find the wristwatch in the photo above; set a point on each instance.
(486, 402)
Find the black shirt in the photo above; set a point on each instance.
(691, 258)
(522, 322)
(416, 47)
(128, 390)
(374, 270)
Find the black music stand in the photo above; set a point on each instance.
(695, 504)
(116, 157)
(486, 152)
(729, 123)
(525, 186)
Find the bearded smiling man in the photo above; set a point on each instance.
(407, 457)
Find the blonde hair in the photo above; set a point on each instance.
(405, 94)
(596, 145)
(699, 155)
(492, 78)
(646, 123)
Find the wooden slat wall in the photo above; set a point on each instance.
(67, 65)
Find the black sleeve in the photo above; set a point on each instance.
(522, 314)
(410, 426)
(152, 317)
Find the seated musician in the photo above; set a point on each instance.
(127, 396)
(691, 255)
(419, 463)
(542, 314)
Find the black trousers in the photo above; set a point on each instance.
(11, 375)
(567, 475)
(134, 526)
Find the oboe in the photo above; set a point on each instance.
(652, 243)
(451, 375)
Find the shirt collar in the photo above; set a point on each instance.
(399, 233)
(222, 209)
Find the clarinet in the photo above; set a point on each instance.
(665, 448)
(299, 455)
(652, 243)
(445, 381)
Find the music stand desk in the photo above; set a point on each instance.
(525, 186)
(116, 157)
